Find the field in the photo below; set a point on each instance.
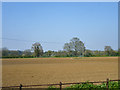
(29, 71)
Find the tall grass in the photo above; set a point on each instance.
(90, 86)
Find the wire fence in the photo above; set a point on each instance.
(61, 84)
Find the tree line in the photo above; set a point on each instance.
(74, 48)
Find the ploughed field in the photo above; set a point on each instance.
(28, 71)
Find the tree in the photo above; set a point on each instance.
(108, 50)
(27, 53)
(88, 53)
(98, 53)
(76, 46)
(5, 52)
(48, 53)
(118, 51)
(11, 53)
(38, 51)
(67, 47)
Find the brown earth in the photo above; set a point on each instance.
(29, 71)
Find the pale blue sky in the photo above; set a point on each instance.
(53, 24)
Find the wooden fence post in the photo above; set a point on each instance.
(20, 86)
(107, 84)
(60, 85)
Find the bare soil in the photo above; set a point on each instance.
(28, 71)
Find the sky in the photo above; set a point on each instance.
(53, 24)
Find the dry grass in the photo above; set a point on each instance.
(53, 70)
